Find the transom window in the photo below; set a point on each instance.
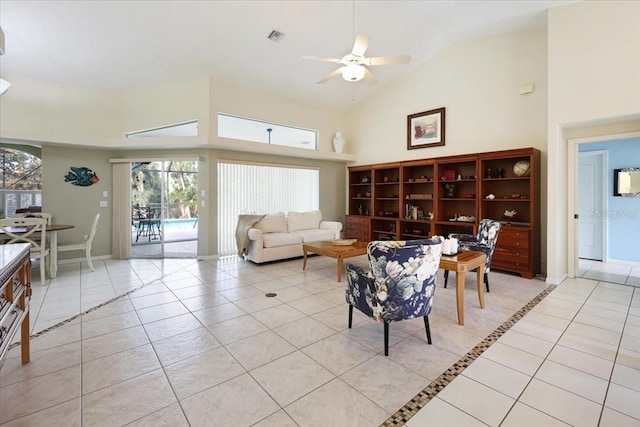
(247, 129)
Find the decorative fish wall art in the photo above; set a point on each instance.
(81, 176)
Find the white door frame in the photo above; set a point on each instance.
(572, 199)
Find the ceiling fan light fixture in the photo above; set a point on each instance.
(353, 72)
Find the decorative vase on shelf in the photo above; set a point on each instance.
(338, 142)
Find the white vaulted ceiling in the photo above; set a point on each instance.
(122, 46)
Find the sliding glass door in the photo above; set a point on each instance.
(164, 216)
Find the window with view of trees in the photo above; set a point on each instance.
(181, 186)
(21, 181)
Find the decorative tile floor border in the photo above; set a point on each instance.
(92, 309)
(429, 392)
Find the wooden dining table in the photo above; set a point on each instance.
(52, 230)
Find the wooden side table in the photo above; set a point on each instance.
(462, 263)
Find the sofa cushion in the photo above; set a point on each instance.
(314, 235)
(303, 220)
(272, 223)
(274, 240)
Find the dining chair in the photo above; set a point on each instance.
(485, 242)
(86, 245)
(32, 231)
(400, 284)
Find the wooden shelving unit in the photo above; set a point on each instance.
(501, 190)
(418, 195)
(438, 196)
(457, 195)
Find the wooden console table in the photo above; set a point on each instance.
(15, 294)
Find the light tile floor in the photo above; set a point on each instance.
(198, 343)
(574, 359)
(609, 272)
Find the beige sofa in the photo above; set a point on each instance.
(277, 236)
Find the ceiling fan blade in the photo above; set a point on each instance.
(368, 77)
(321, 58)
(361, 44)
(330, 75)
(388, 60)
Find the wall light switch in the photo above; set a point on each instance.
(202, 203)
(201, 193)
(103, 203)
(525, 89)
(105, 193)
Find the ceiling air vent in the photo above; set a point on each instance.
(275, 35)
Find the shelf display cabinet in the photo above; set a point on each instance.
(418, 193)
(438, 196)
(360, 191)
(386, 192)
(510, 193)
(456, 192)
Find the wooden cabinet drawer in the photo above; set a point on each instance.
(514, 238)
(503, 253)
(357, 221)
(513, 251)
(357, 227)
(508, 257)
(518, 266)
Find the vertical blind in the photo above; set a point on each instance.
(245, 188)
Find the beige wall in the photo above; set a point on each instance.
(167, 105)
(76, 205)
(44, 112)
(594, 70)
(478, 82)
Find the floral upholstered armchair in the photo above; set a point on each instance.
(484, 241)
(400, 284)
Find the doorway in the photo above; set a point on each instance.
(620, 259)
(164, 209)
(592, 221)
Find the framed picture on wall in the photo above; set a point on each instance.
(425, 129)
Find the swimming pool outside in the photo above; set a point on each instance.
(175, 230)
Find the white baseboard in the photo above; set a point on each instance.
(207, 257)
(556, 280)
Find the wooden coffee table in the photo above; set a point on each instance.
(338, 252)
(461, 263)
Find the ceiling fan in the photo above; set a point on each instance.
(354, 65)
